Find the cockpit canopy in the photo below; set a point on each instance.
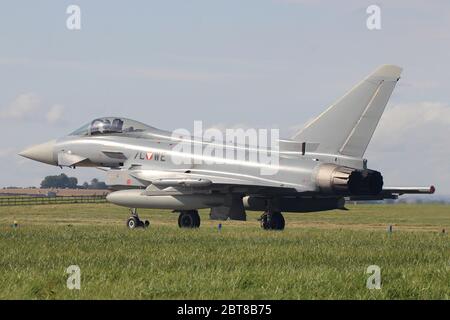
(113, 126)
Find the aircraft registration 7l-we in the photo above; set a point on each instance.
(319, 168)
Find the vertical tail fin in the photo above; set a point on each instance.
(347, 126)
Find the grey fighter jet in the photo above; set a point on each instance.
(318, 169)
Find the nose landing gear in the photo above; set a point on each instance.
(134, 222)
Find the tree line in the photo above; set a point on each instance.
(63, 181)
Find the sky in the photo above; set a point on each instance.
(264, 64)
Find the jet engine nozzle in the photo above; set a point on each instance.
(343, 180)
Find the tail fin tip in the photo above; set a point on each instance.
(389, 71)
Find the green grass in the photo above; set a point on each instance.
(318, 256)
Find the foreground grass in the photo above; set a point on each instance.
(318, 256)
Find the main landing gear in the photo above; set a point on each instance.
(134, 222)
(272, 220)
(189, 219)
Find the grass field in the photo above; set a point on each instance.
(318, 256)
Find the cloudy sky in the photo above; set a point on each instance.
(264, 63)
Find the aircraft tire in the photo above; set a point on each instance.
(133, 223)
(189, 219)
(276, 221)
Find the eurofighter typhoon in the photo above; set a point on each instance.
(318, 169)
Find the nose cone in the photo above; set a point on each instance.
(42, 152)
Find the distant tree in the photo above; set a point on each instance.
(101, 185)
(61, 181)
(49, 182)
(95, 184)
(72, 183)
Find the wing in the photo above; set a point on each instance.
(210, 179)
(198, 180)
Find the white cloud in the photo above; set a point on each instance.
(411, 146)
(55, 113)
(23, 106)
(29, 106)
(424, 124)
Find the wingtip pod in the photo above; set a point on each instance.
(387, 71)
(432, 189)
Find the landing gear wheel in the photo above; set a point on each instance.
(189, 219)
(272, 221)
(132, 223)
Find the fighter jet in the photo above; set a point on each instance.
(317, 169)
